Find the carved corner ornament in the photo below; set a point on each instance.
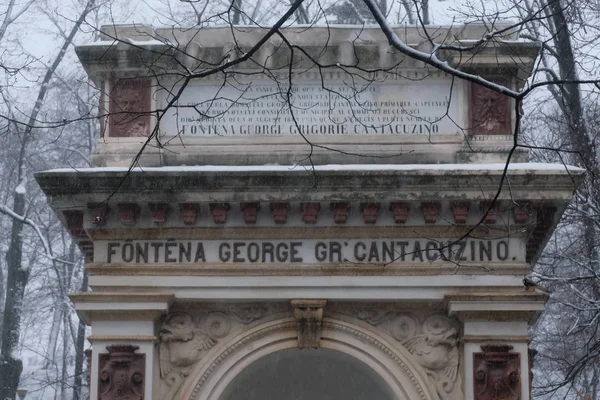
(130, 108)
(309, 318)
(497, 373)
(490, 111)
(121, 373)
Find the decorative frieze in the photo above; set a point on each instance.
(369, 213)
(121, 374)
(497, 373)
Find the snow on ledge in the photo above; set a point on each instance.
(418, 168)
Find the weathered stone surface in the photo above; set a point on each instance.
(129, 108)
(497, 373)
(121, 374)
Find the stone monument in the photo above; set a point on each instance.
(324, 193)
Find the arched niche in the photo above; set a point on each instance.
(391, 367)
(307, 374)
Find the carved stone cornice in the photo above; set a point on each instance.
(109, 305)
(309, 318)
(509, 305)
(121, 374)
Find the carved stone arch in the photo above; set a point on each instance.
(394, 364)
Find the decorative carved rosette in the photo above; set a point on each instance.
(121, 373)
(497, 373)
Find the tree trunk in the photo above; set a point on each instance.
(17, 276)
(425, 9)
(79, 355)
(53, 338)
(571, 102)
(237, 11)
(65, 355)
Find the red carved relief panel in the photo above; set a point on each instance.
(129, 108)
(400, 211)
(461, 212)
(492, 211)
(370, 212)
(489, 111)
(99, 213)
(74, 220)
(279, 212)
(159, 212)
(250, 211)
(219, 212)
(128, 213)
(310, 212)
(521, 213)
(497, 373)
(340, 212)
(121, 373)
(430, 211)
(189, 212)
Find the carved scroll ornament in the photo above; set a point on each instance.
(431, 339)
(121, 374)
(436, 350)
(497, 373)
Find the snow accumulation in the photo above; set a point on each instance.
(475, 168)
(20, 188)
(139, 43)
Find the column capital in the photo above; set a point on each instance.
(114, 306)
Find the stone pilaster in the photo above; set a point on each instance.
(124, 345)
(495, 341)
